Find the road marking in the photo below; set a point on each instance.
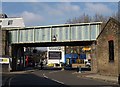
(52, 79)
(45, 76)
(57, 81)
(10, 81)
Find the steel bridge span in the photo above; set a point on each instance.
(81, 34)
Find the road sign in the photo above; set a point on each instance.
(4, 60)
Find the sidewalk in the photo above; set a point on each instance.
(91, 75)
(105, 78)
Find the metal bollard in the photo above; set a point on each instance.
(62, 68)
(54, 65)
(79, 69)
(60, 65)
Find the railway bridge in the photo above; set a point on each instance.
(80, 34)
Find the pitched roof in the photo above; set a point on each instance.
(3, 16)
(110, 19)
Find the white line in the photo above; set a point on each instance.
(53, 79)
(45, 76)
(57, 81)
(10, 80)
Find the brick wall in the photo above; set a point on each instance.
(3, 51)
(4, 42)
(105, 67)
(93, 59)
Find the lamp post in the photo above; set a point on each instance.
(54, 38)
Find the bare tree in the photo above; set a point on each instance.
(100, 18)
(85, 18)
(116, 16)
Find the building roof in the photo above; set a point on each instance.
(111, 19)
(3, 16)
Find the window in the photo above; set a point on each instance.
(111, 50)
(10, 22)
(55, 55)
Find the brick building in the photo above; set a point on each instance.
(107, 49)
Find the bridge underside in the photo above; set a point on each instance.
(18, 50)
(48, 44)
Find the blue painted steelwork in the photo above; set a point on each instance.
(63, 33)
(82, 56)
(71, 58)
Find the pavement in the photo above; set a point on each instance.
(91, 75)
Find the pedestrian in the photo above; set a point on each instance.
(41, 64)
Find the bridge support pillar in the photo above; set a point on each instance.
(4, 43)
(20, 57)
(14, 57)
(17, 58)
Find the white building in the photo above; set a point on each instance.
(55, 55)
(11, 22)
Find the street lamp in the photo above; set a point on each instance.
(54, 38)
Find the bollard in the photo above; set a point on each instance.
(62, 68)
(60, 65)
(79, 69)
(54, 65)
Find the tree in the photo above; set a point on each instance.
(100, 18)
(85, 18)
(116, 16)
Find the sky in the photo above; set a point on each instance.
(60, 0)
(39, 13)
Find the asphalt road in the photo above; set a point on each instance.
(57, 78)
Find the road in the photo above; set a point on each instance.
(57, 78)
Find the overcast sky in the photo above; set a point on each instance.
(51, 13)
